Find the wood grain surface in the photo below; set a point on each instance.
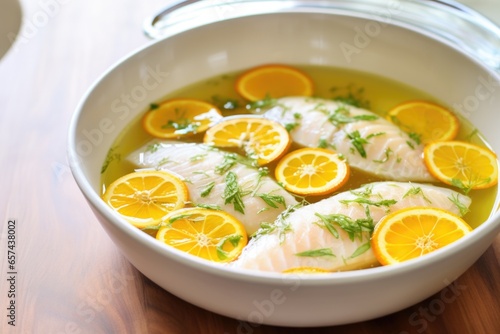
(70, 276)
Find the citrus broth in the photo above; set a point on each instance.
(371, 92)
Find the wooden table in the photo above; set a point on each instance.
(70, 276)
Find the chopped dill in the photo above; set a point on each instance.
(353, 228)
(233, 193)
(461, 207)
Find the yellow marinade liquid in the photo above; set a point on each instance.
(368, 91)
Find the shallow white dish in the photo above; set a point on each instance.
(10, 23)
(305, 34)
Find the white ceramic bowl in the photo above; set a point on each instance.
(10, 23)
(306, 34)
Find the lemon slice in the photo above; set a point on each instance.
(462, 164)
(209, 234)
(145, 198)
(260, 138)
(413, 232)
(312, 171)
(426, 121)
(180, 118)
(273, 81)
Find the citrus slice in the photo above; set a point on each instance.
(273, 81)
(144, 198)
(426, 121)
(180, 118)
(306, 270)
(312, 171)
(261, 139)
(462, 164)
(210, 234)
(413, 232)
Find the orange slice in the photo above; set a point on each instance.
(210, 234)
(180, 118)
(145, 198)
(312, 171)
(261, 139)
(413, 232)
(305, 270)
(425, 121)
(462, 164)
(273, 81)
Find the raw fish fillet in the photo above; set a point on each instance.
(300, 238)
(368, 141)
(218, 178)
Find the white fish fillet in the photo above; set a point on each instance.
(368, 141)
(204, 170)
(303, 232)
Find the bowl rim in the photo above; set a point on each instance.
(491, 225)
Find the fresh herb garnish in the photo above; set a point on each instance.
(357, 142)
(152, 148)
(459, 184)
(225, 103)
(281, 224)
(233, 239)
(461, 207)
(181, 124)
(209, 206)
(228, 162)
(316, 252)
(233, 193)
(416, 191)
(267, 102)
(342, 115)
(198, 157)
(360, 250)
(384, 202)
(290, 126)
(415, 137)
(387, 155)
(351, 96)
(322, 143)
(273, 200)
(208, 188)
(353, 228)
(110, 157)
